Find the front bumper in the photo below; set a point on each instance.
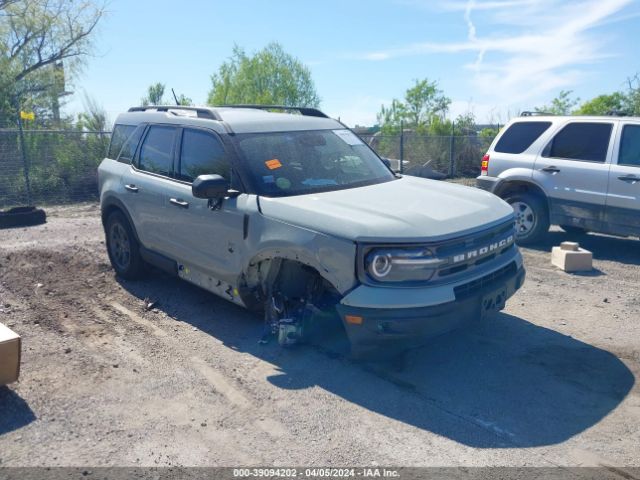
(389, 330)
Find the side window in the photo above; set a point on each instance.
(201, 154)
(129, 148)
(581, 141)
(520, 135)
(118, 137)
(630, 146)
(156, 153)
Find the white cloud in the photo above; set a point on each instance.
(557, 40)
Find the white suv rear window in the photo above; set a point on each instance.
(520, 135)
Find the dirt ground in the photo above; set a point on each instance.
(106, 382)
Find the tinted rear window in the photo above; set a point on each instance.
(581, 141)
(519, 136)
(129, 148)
(630, 146)
(156, 153)
(118, 137)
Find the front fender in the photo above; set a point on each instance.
(333, 258)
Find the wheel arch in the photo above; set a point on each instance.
(511, 187)
(111, 205)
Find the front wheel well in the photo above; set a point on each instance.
(290, 278)
(510, 187)
(507, 189)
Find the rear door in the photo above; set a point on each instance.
(573, 170)
(146, 181)
(623, 199)
(210, 240)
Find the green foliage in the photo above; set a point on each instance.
(489, 133)
(602, 105)
(269, 77)
(94, 118)
(184, 100)
(632, 97)
(563, 104)
(423, 109)
(155, 95)
(41, 43)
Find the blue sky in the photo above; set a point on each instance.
(489, 56)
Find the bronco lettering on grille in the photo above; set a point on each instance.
(481, 252)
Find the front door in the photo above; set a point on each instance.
(206, 239)
(573, 170)
(623, 199)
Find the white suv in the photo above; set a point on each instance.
(582, 173)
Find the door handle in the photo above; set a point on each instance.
(629, 178)
(179, 203)
(132, 188)
(550, 169)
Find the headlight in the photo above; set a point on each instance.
(400, 264)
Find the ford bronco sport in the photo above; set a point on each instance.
(582, 173)
(286, 211)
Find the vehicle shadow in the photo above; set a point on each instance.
(604, 247)
(501, 383)
(15, 413)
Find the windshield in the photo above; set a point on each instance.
(294, 163)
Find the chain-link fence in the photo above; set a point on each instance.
(57, 167)
(49, 167)
(453, 156)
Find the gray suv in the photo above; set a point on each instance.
(582, 173)
(286, 211)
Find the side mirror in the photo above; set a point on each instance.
(210, 187)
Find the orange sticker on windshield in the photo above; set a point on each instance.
(273, 164)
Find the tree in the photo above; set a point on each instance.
(184, 100)
(269, 77)
(155, 94)
(38, 37)
(424, 106)
(94, 118)
(632, 97)
(563, 104)
(603, 105)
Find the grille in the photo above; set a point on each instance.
(480, 240)
(468, 289)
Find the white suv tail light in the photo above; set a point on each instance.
(484, 169)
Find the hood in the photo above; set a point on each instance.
(408, 209)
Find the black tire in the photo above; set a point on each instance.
(22, 217)
(573, 230)
(123, 247)
(532, 217)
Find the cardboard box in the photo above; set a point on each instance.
(10, 346)
(571, 258)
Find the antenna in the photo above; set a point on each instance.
(175, 97)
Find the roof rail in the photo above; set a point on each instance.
(306, 111)
(202, 112)
(533, 114)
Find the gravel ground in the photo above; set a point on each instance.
(106, 382)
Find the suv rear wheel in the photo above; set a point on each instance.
(123, 248)
(532, 217)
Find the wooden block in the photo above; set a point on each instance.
(10, 346)
(572, 258)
